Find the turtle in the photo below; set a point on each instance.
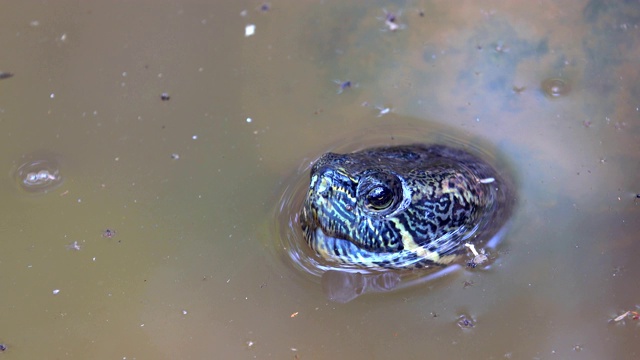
(402, 207)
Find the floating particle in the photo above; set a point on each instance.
(479, 257)
(501, 47)
(56, 291)
(165, 96)
(249, 30)
(621, 317)
(5, 75)
(634, 315)
(391, 21)
(383, 111)
(343, 85)
(108, 233)
(175, 156)
(3, 347)
(74, 246)
(465, 322)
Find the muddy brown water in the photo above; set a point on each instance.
(187, 186)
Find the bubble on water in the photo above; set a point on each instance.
(38, 173)
(555, 87)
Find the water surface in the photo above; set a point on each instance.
(188, 185)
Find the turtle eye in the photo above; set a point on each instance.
(379, 198)
(379, 193)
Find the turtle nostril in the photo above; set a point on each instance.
(323, 186)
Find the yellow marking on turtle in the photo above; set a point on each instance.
(410, 244)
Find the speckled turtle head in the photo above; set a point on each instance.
(401, 207)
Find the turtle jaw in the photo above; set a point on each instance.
(331, 248)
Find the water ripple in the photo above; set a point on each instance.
(38, 173)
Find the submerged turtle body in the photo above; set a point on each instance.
(401, 207)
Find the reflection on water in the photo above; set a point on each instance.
(195, 270)
(342, 286)
(555, 87)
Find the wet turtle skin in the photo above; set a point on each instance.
(402, 207)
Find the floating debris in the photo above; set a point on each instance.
(5, 75)
(391, 21)
(249, 30)
(501, 47)
(479, 257)
(465, 322)
(165, 97)
(3, 347)
(344, 85)
(633, 315)
(383, 110)
(621, 317)
(108, 233)
(74, 246)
